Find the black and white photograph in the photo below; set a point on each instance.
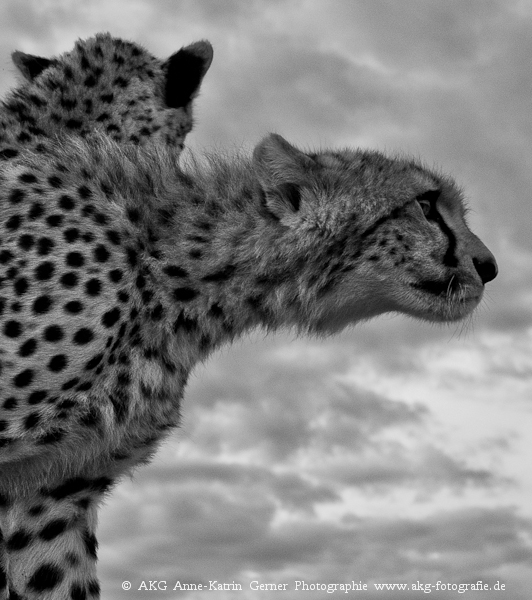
(265, 299)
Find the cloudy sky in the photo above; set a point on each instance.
(397, 452)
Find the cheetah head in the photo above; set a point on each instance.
(371, 234)
(116, 87)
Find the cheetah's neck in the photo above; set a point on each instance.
(230, 268)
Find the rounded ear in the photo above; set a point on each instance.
(29, 65)
(276, 161)
(185, 71)
(281, 169)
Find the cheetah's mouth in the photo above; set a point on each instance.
(446, 287)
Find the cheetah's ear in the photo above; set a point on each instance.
(29, 65)
(281, 169)
(185, 71)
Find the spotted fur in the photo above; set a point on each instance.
(106, 304)
(104, 84)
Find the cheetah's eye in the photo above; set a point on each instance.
(427, 201)
(426, 207)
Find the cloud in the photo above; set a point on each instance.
(395, 451)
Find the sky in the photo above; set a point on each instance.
(397, 452)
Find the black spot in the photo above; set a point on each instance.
(73, 307)
(37, 397)
(90, 81)
(55, 220)
(46, 577)
(73, 123)
(175, 271)
(84, 192)
(52, 437)
(100, 218)
(93, 287)
(55, 181)
(26, 242)
(52, 529)
(157, 313)
(184, 294)
(107, 98)
(115, 275)
(78, 592)
(44, 271)
(111, 317)
(197, 238)
(133, 215)
(13, 223)
(32, 420)
(83, 336)
(45, 246)
(16, 196)
(185, 323)
(66, 202)
(68, 488)
(221, 275)
(93, 588)
(75, 259)
(69, 280)
(42, 305)
(8, 153)
(113, 236)
(71, 235)
(36, 211)
(53, 333)
(70, 384)
(36, 510)
(24, 378)
(18, 540)
(27, 178)
(10, 404)
(12, 329)
(93, 362)
(132, 256)
(101, 254)
(88, 209)
(28, 348)
(23, 137)
(21, 286)
(5, 256)
(216, 311)
(120, 82)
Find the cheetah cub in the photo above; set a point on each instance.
(108, 302)
(104, 84)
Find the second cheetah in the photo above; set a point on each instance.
(104, 84)
(108, 303)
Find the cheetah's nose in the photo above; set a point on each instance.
(486, 267)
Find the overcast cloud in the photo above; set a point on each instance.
(397, 452)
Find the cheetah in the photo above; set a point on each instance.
(104, 84)
(108, 303)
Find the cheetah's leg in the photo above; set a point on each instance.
(51, 546)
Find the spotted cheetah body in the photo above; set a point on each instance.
(108, 301)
